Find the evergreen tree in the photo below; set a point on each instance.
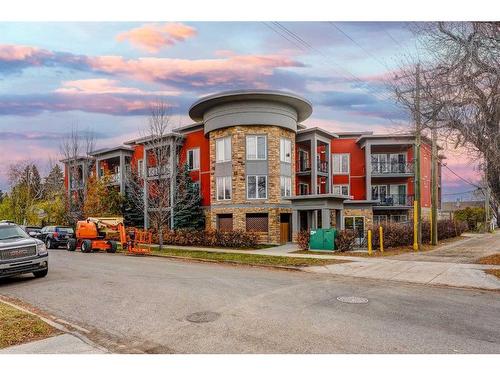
(54, 183)
(188, 213)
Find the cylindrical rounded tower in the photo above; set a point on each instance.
(252, 158)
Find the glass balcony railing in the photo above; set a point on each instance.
(391, 168)
(394, 200)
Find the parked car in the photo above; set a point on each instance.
(55, 236)
(32, 231)
(20, 253)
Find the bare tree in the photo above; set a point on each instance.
(160, 169)
(460, 88)
(75, 149)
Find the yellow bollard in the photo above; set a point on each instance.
(415, 225)
(369, 242)
(381, 235)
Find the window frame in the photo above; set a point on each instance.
(223, 141)
(256, 186)
(283, 149)
(340, 155)
(256, 136)
(224, 188)
(195, 151)
(307, 187)
(341, 186)
(286, 181)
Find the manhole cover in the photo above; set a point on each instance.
(352, 299)
(202, 317)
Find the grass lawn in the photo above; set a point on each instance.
(491, 259)
(387, 252)
(248, 259)
(18, 327)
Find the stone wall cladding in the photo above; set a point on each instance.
(238, 149)
(366, 212)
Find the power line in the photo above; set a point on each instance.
(383, 64)
(460, 177)
(304, 45)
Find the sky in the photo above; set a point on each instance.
(102, 77)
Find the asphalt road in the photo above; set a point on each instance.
(135, 304)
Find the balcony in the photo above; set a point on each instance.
(156, 171)
(391, 169)
(304, 165)
(77, 185)
(322, 166)
(394, 200)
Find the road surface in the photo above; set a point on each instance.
(134, 304)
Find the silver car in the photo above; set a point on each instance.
(20, 253)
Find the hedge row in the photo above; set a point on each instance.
(401, 234)
(210, 238)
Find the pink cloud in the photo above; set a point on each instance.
(240, 68)
(106, 86)
(153, 37)
(18, 53)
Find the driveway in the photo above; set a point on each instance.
(466, 251)
(134, 304)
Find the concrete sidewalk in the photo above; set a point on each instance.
(414, 268)
(60, 344)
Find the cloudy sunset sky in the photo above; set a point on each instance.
(101, 76)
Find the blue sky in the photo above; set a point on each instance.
(102, 76)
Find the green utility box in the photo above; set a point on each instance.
(322, 239)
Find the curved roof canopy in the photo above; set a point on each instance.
(302, 106)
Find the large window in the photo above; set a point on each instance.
(379, 192)
(341, 189)
(193, 159)
(256, 187)
(341, 163)
(286, 186)
(303, 188)
(223, 188)
(256, 147)
(379, 219)
(357, 224)
(379, 163)
(285, 150)
(223, 150)
(257, 223)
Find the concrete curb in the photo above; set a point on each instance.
(57, 323)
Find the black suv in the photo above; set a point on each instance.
(19, 253)
(56, 236)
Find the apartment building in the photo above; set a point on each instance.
(260, 170)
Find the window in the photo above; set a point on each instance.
(140, 168)
(341, 189)
(257, 223)
(223, 150)
(256, 187)
(341, 163)
(286, 186)
(225, 222)
(399, 218)
(303, 188)
(379, 192)
(256, 147)
(196, 187)
(357, 224)
(303, 161)
(193, 159)
(379, 219)
(379, 163)
(285, 150)
(398, 163)
(223, 188)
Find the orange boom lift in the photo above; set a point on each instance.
(98, 234)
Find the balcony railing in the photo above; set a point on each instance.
(322, 166)
(384, 168)
(394, 200)
(304, 165)
(76, 185)
(156, 171)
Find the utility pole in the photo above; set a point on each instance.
(434, 184)
(418, 140)
(486, 203)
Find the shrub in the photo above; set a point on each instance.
(401, 234)
(211, 238)
(303, 239)
(345, 240)
(473, 216)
